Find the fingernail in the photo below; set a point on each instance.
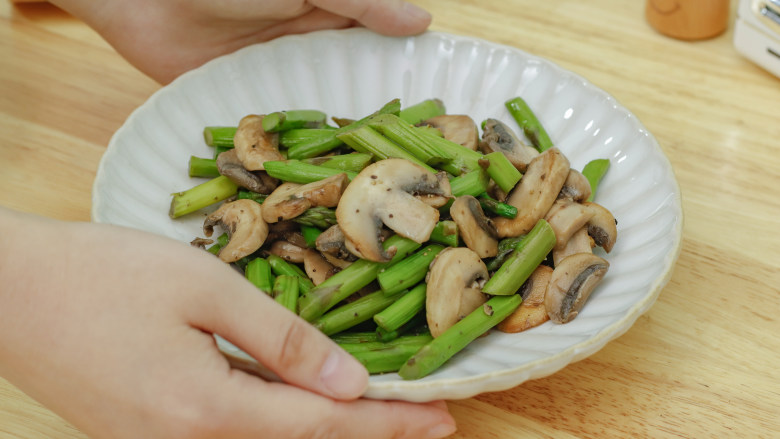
(343, 376)
(440, 431)
(416, 12)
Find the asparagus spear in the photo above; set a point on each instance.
(349, 280)
(286, 291)
(200, 167)
(202, 195)
(310, 234)
(431, 356)
(446, 233)
(318, 216)
(420, 111)
(531, 126)
(412, 140)
(222, 241)
(296, 171)
(286, 120)
(365, 139)
(280, 267)
(346, 316)
(354, 162)
(297, 136)
(409, 271)
(473, 183)
(502, 171)
(258, 272)
(594, 171)
(391, 357)
(403, 310)
(505, 248)
(528, 254)
(417, 325)
(353, 337)
(496, 207)
(219, 136)
(249, 195)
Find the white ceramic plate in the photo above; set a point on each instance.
(354, 72)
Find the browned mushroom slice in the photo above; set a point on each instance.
(317, 267)
(532, 311)
(602, 226)
(244, 224)
(576, 187)
(384, 193)
(572, 282)
(332, 242)
(439, 198)
(566, 217)
(497, 136)
(454, 288)
(476, 229)
(457, 128)
(253, 145)
(291, 199)
(231, 167)
(287, 251)
(580, 242)
(535, 194)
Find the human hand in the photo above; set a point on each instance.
(164, 38)
(111, 328)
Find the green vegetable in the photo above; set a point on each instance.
(446, 233)
(531, 126)
(286, 291)
(202, 195)
(200, 167)
(409, 271)
(219, 136)
(496, 207)
(258, 272)
(346, 316)
(594, 171)
(287, 120)
(296, 171)
(502, 171)
(403, 310)
(423, 110)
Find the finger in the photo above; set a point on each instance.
(389, 17)
(249, 403)
(280, 340)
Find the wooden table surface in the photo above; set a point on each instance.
(703, 362)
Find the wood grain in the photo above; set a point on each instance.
(702, 363)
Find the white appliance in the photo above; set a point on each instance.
(757, 33)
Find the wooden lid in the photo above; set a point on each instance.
(688, 19)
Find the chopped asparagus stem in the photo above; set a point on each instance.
(531, 126)
(296, 171)
(310, 234)
(446, 233)
(354, 162)
(417, 325)
(409, 271)
(349, 280)
(285, 291)
(472, 183)
(496, 207)
(505, 248)
(434, 354)
(244, 194)
(280, 267)
(594, 171)
(202, 195)
(297, 136)
(502, 171)
(420, 111)
(400, 312)
(318, 216)
(287, 120)
(258, 272)
(346, 316)
(527, 255)
(367, 140)
(200, 167)
(391, 358)
(219, 136)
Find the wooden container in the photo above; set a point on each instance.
(688, 19)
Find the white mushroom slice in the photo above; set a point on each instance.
(287, 251)
(253, 145)
(437, 200)
(454, 288)
(384, 192)
(576, 187)
(572, 282)
(535, 194)
(476, 229)
(244, 224)
(602, 226)
(566, 217)
(231, 167)
(337, 262)
(532, 311)
(317, 267)
(497, 136)
(291, 199)
(580, 242)
(332, 242)
(458, 128)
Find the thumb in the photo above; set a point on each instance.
(388, 17)
(281, 341)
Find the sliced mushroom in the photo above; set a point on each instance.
(532, 311)
(201, 243)
(602, 226)
(565, 218)
(291, 199)
(535, 194)
(576, 187)
(457, 128)
(476, 229)
(253, 145)
(332, 242)
(231, 167)
(317, 267)
(287, 251)
(244, 224)
(580, 242)
(572, 282)
(440, 198)
(454, 289)
(384, 192)
(497, 136)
